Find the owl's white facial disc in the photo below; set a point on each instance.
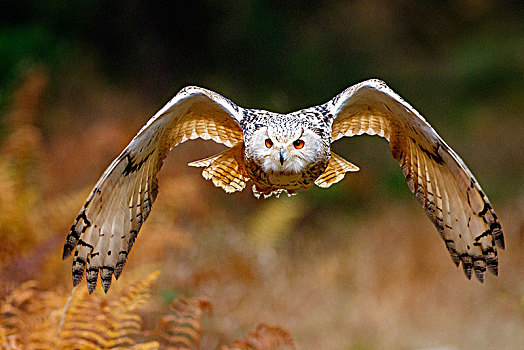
(285, 151)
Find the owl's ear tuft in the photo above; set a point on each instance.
(225, 169)
(335, 171)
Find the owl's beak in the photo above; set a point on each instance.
(283, 155)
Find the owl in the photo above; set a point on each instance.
(282, 153)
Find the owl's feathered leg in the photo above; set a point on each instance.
(271, 192)
(225, 169)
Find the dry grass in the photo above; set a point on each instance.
(331, 278)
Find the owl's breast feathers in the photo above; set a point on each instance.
(269, 183)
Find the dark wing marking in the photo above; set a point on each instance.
(110, 220)
(441, 181)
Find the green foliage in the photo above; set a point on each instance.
(22, 48)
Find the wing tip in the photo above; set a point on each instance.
(77, 280)
(66, 252)
(106, 276)
(494, 269)
(120, 266)
(479, 266)
(480, 274)
(92, 278)
(499, 239)
(467, 271)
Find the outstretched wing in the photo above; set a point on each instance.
(441, 181)
(109, 222)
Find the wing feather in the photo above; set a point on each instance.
(110, 220)
(442, 183)
(335, 171)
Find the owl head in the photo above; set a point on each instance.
(285, 144)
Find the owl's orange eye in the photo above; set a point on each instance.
(298, 144)
(269, 143)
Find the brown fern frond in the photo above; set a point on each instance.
(153, 345)
(183, 328)
(27, 318)
(12, 309)
(136, 295)
(94, 323)
(265, 337)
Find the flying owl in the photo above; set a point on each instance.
(282, 153)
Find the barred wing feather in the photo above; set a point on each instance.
(110, 220)
(442, 183)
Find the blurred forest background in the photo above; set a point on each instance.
(357, 266)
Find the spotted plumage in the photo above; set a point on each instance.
(282, 153)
